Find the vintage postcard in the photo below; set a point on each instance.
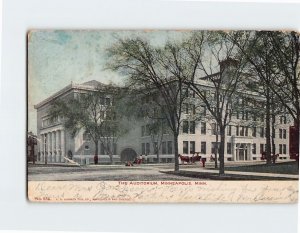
(163, 116)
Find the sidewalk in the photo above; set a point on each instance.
(202, 170)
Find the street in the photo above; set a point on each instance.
(148, 172)
(102, 172)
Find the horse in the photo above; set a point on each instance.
(184, 158)
(195, 158)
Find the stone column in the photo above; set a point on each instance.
(62, 144)
(58, 159)
(53, 147)
(236, 149)
(249, 151)
(42, 147)
(45, 148)
(233, 151)
(49, 147)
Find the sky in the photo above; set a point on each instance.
(58, 57)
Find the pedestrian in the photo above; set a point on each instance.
(70, 154)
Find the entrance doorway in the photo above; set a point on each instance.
(128, 154)
(242, 152)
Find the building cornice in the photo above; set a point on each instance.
(72, 86)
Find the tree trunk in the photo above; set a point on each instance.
(111, 158)
(268, 129)
(221, 154)
(96, 152)
(176, 168)
(273, 131)
(157, 156)
(216, 150)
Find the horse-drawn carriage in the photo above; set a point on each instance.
(190, 160)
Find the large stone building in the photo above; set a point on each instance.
(243, 142)
(55, 142)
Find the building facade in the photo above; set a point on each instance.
(244, 141)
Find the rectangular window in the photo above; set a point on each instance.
(143, 149)
(284, 133)
(283, 120)
(254, 132)
(229, 149)
(203, 147)
(193, 109)
(192, 127)
(261, 148)
(284, 148)
(254, 148)
(192, 147)
(147, 148)
(237, 133)
(214, 146)
(262, 132)
(185, 92)
(164, 148)
(170, 147)
(185, 127)
(203, 110)
(186, 108)
(242, 131)
(229, 130)
(280, 148)
(246, 131)
(147, 130)
(143, 131)
(185, 148)
(280, 133)
(203, 127)
(213, 128)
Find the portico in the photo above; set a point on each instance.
(52, 146)
(242, 148)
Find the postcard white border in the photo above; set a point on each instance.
(20, 16)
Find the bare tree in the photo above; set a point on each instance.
(273, 57)
(286, 85)
(216, 78)
(148, 69)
